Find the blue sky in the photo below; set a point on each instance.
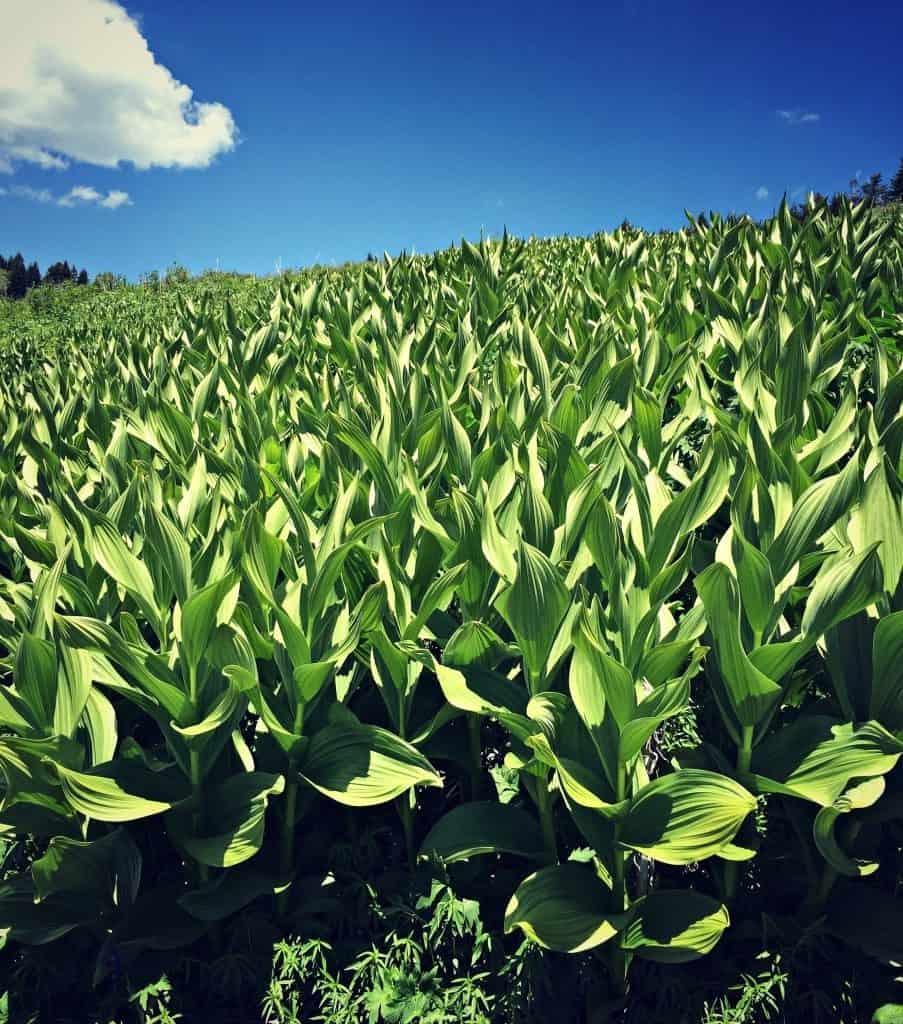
(338, 129)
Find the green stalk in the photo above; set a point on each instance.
(474, 724)
(194, 771)
(546, 819)
(407, 823)
(618, 961)
(288, 840)
(732, 867)
(403, 802)
(287, 845)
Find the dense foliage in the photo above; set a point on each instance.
(16, 278)
(496, 632)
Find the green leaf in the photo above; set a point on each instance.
(886, 703)
(199, 618)
(228, 893)
(816, 757)
(171, 547)
(119, 791)
(890, 1013)
(750, 692)
(663, 702)
(565, 908)
(73, 689)
(99, 718)
(692, 507)
(842, 589)
(855, 798)
(486, 693)
(364, 765)
(879, 517)
(686, 816)
(229, 828)
(647, 413)
(260, 557)
(118, 561)
(437, 596)
(674, 926)
(498, 550)
(108, 869)
(819, 507)
(225, 712)
(310, 679)
(36, 677)
(755, 581)
(534, 608)
(664, 661)
(15, 714)
(148, 671)
(34, 924)
(603, 537)
(484, 827)
(474, 643)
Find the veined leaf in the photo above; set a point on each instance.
(484, 827)
(674, 926)
(229, 828)
(750, 692)
(534, 608)
(119, 791)
(565, 907)
(686, 816)
(363, 765)
(816, 757)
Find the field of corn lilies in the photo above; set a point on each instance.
(575, 565)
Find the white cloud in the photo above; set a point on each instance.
(78, 82)
(761, 192)
(114, 199)
(37, 195)
(798, 116)
(81, 194)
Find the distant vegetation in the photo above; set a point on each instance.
(18, 278)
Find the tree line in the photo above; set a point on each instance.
(873, 191)
(17, 277)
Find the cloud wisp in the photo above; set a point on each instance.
(80, 195)
(86, 194)
(78, 82)
(798, 116)
(37, 195)
(761, 192)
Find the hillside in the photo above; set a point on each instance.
(509, 634)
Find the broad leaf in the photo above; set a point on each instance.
(565, 908)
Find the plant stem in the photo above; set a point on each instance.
(474, 725)
(288, 839)
(732, 867)
(744, 754)
(546, 819)
(618, 962)
(407, 823)
(288, 824)
(194, 768)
